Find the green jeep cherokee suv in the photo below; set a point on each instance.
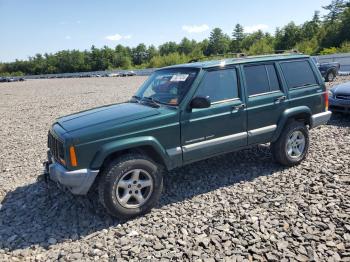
(182, 114)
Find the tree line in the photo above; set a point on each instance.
(321, 35)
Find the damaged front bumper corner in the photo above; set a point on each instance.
(77, 181)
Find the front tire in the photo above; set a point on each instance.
(130, 186)
(292, 146)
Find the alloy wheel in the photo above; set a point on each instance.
(295, 144)
(134, 188)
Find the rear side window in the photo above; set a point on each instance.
(261, 79)
(219, 85)
(298, 74)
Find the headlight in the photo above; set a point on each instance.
(330, 94)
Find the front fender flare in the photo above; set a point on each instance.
(129, 143)
(290, 113)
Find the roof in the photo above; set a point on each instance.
(233, 61)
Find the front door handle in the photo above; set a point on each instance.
(238, 107)
(280, 99)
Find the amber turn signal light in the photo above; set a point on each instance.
(73, 156)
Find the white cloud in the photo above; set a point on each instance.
(68, 37)
(254, 28)
(195, 28)
(117, 37)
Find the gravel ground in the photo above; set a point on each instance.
(237, 207)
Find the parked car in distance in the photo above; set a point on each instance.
(339, 98)
(328, 70)
(183, 114)
(11, 79)
(114, 74)
(128, 73)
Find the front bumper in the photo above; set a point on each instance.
(320, 119)
(77, 181)
(339, 105)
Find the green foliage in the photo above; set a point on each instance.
(334, 9)
(288, 37)
(261, 47)
(308, 47)
(329, 51)
(327, 35)
(251, 39)
(167, 60)
(167, 48)
(345, 48)
(237, 38)
(218, 42)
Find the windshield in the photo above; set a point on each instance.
(168, 86)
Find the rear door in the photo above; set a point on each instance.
(266, 100)
(221, 127)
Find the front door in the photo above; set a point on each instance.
(221, 127)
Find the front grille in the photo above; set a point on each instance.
(56, 147)
(343, 97)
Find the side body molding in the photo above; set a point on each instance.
(130, 143)
(290, 113)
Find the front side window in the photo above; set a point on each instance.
(298, 74)
(168, 86)
(219, 85)
(261, 79)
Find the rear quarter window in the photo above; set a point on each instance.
(298, 74)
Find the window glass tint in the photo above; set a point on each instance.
(168, 86)
(273, 79)
(219, 85)
(256, 78)
(298, 73)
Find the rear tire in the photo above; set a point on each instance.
(130, 186)
(331, 75)
(292, 146)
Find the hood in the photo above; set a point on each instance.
(343, 89)
(114, 114)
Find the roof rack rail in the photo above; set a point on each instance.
(227, 55)
(244, 55)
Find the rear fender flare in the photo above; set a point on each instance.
(288, 114)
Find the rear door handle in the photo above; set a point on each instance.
(238, 107)
(280, 99)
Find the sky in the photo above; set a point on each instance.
(29, 27)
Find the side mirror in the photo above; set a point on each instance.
(200, 102)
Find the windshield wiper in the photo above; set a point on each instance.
(150, 100)
(158, 102)
(135, 99)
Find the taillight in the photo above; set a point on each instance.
(326, 102)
